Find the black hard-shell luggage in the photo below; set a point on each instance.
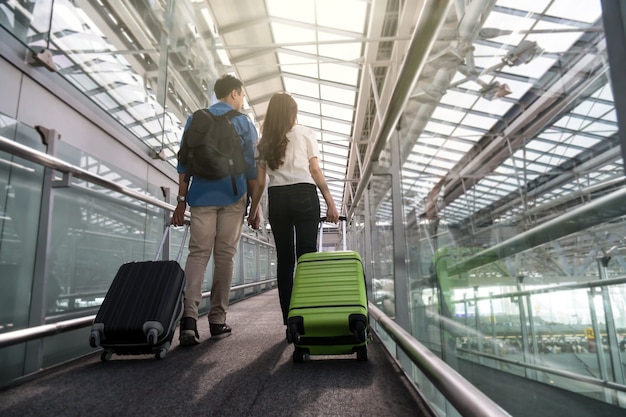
(142, 307)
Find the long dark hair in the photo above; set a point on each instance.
(279, 119)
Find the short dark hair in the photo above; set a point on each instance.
(225, 84)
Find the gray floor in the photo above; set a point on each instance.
(250, 373)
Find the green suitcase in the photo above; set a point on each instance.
(328, 309)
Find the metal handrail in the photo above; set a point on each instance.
(555, 371)
(465, 397)
(550, 289)
(38, 332)
(57, 164)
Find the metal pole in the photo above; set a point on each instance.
(422, 41)
(614, 19)
(597, 340)
(612, 338)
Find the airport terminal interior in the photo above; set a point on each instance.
(474, 147)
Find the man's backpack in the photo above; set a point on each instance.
(211, 148)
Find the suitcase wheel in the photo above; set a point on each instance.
(160, 354)
(95, 337)
(106, 356)
(361, 354)
(358, 327)
(294, 329)
(300, 355)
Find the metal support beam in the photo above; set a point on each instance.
(614, 19)
(164, 47)
(597, 340)
(611, 331)
(33, 360)
(422, 41)
(369, 256)
(401, 282)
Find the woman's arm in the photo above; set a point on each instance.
(332, 215)
(254, 219)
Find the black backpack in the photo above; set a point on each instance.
(211, 148)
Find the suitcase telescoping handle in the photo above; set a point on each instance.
(182, 243)
(343, 221)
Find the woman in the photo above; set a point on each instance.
(287, 153)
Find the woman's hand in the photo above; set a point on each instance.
(254, 220)
(332, 215)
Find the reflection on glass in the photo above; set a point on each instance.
(20, 198)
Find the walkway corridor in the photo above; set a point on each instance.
(250, 373)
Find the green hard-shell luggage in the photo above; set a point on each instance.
(328, 310)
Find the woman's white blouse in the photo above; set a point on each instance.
(302, 146)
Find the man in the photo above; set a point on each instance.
(217, 214)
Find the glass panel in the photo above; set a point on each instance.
(382, 251)
(263, 262)
(93, 232)
(20, 199)
(28, 21)
(249, 259)
(503, 272)
(273, 263)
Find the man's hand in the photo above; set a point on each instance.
(178, 217)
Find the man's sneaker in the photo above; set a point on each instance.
(219, 330)
(188, 332)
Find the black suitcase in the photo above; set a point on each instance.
(142, 307)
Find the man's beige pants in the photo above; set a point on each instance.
(214, 230)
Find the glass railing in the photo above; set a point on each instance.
(559, 320)
(569, 336)
(445, 391)
(65, 228)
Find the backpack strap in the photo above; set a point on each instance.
(229, 115)
(188, 173)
